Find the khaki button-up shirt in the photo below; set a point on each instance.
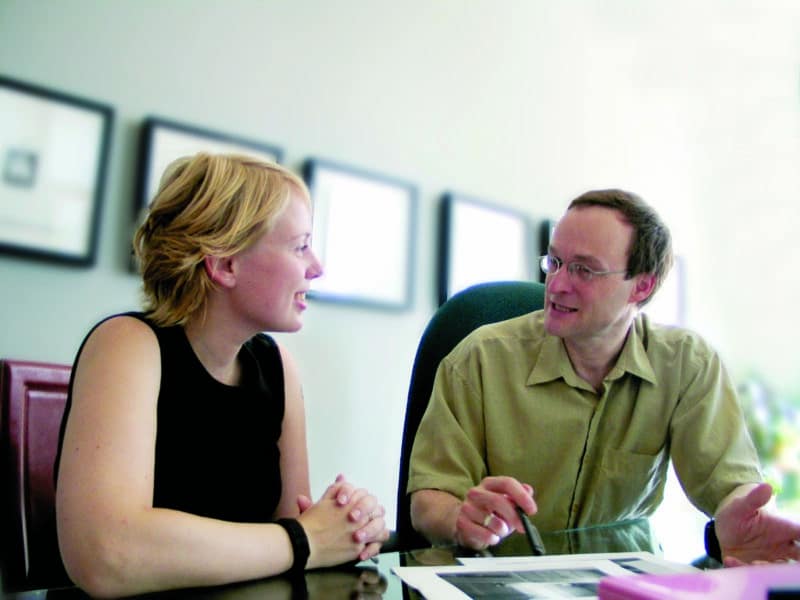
(506, 401)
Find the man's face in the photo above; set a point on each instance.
(600, 309)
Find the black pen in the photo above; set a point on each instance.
(534, 539)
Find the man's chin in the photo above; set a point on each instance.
(556, 325)
(550, 327)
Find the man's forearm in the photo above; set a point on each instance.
(434, 514)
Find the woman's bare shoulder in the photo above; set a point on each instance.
(122, 330)
(121, 341)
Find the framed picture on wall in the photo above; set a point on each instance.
(480, 241)
(162, 141)
(364, 225)
(545, 233)
(53, 157)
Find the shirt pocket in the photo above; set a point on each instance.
(632, 481)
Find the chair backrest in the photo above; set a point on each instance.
(33, 398)
(459, 315)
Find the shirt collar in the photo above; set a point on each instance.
(554, 362)
(633, 359)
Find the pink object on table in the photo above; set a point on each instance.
(739, 583)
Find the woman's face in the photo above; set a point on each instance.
(274, 274)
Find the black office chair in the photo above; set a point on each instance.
(477, 305)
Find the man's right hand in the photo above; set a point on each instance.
(488, 513)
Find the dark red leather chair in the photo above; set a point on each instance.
(33, 396)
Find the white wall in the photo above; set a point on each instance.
(693, 104)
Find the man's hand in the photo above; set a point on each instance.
(488, 513)
(748, 532)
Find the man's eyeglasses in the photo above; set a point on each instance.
(552, 265)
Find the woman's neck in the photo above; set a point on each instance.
(216, 352)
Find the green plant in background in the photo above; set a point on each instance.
(774, 423)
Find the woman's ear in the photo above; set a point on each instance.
(220, 270)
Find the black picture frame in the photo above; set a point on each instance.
(53, 161)
(364, 228)
(163, 140)
(481, 241)
(545, 233)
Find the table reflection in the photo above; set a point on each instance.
(626, 536)
(371, 581)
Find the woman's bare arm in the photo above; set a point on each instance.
(112, 540)
(292, 444)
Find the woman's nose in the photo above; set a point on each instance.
(315, 268)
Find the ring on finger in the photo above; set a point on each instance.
(488, 519)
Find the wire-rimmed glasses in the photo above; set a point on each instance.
(551, 265)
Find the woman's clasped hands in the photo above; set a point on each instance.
(346, 523)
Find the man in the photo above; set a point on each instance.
(586, 402)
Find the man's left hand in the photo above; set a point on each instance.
(749, 533)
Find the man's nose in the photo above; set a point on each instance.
(559, 281)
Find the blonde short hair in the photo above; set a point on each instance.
(206, 205)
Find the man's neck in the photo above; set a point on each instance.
(594, 358)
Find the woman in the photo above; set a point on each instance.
(183, 460)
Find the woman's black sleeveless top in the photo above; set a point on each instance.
(216, 445)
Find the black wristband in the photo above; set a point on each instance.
(299, 540)
(712, 543)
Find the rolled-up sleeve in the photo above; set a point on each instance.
(711, 447)
(448, 452)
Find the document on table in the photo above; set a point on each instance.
(567, 576)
